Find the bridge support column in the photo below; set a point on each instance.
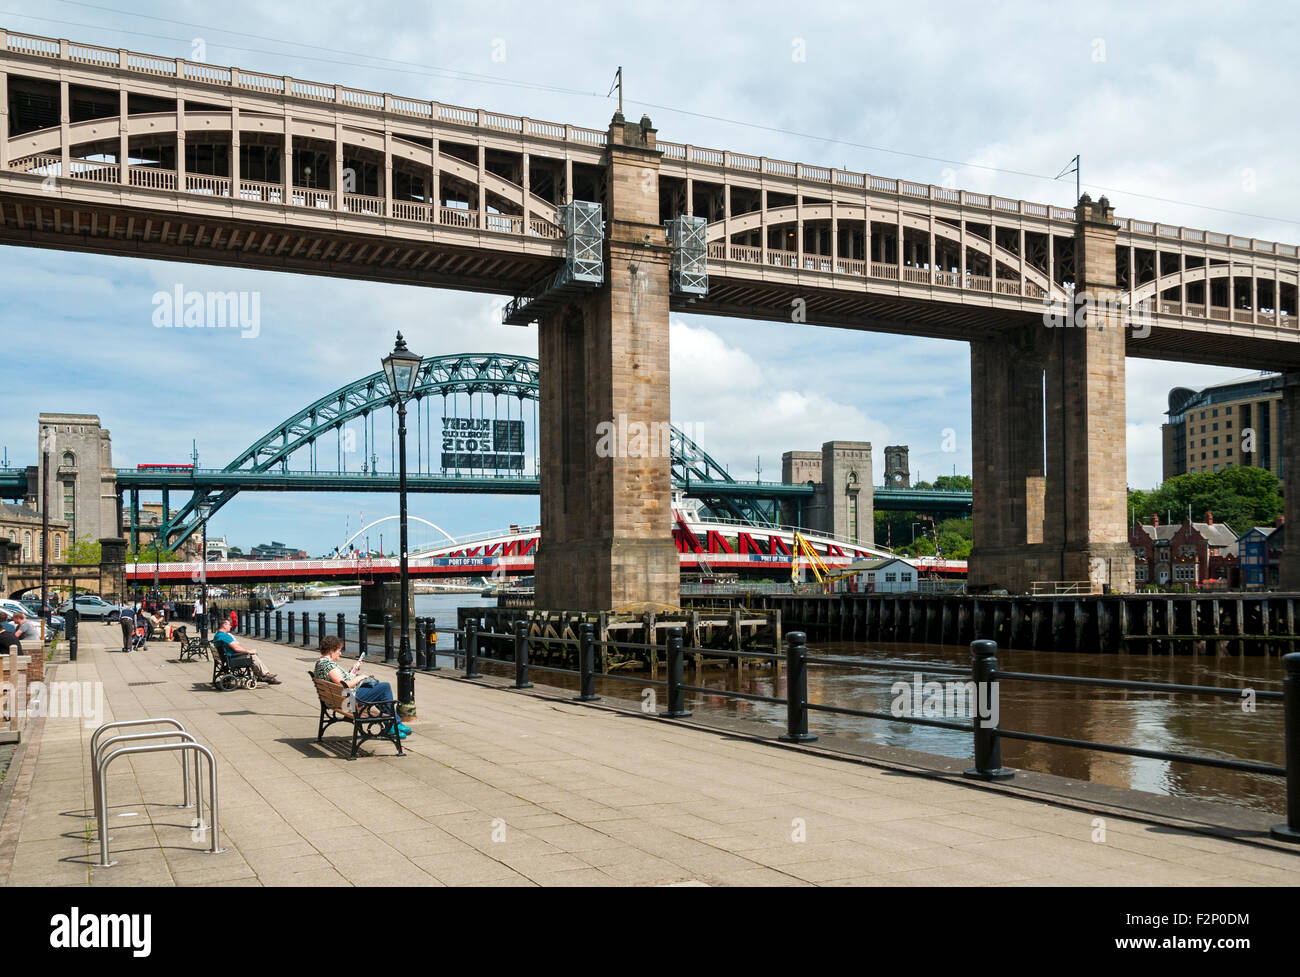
(1087, 487)
(1007, 463)
(112, 567)
(382, 597)
(1289, 571)
(604, 415)
(1060, 514)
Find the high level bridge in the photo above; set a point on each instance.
(118, 152)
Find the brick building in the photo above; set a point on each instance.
(1186, 553)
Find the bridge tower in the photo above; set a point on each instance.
(1058, 513)
(607, 501)
(897, 474)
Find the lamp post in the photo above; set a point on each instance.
(45, 529)
(403, 370)
(156, 595)
(205, 510)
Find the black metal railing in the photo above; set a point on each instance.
(983, 679)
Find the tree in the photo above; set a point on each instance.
(152, 553)
(1240, 497)
(955, 483)
(84, 551)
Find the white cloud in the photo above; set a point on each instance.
(739, 411)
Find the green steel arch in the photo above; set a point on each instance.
(492, 373)
(471, 373)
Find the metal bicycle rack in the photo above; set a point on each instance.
(187, 745)
(101, 815)
(127, 723)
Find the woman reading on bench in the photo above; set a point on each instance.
(367, 688)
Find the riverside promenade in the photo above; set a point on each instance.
(528, 788)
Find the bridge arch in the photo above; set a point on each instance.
(370, 526)
(468, 373)
(36, 152)
(790, 214)
(1209, 273)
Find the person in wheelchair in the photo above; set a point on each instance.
(368, 689)
(226, 645)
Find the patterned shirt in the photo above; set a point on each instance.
(326, 665)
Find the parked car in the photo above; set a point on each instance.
(88, 605)
(9, 606)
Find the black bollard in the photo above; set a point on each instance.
(988, 748)
(471, 649)
(1291, 733)
(306, 628)
(320, 624)
(419, 643)
(796, 689)
(363, 635)
(70, 626)
(342, 626)
(388, 638)
(266, 622)
(587, 663)
(431, 638)
(277, 625)
(676, 694)
(521, 656)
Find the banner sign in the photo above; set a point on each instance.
(482, 443)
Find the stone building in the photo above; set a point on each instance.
(842, 502)
(83, 483)
(21, 525)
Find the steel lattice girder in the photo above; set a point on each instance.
(688, 237)
(582, 271)
(584, 231)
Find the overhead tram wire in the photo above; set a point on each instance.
(955, 162)
(456, 74)
(452, 74)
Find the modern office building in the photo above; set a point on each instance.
(1233, 423)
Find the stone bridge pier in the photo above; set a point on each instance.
(1047, 428)
(606, 503)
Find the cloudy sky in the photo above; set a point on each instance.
(1169, 105)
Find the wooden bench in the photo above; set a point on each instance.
(365, 722)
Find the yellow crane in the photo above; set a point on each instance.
(805, 550)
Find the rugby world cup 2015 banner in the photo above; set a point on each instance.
(482, 443)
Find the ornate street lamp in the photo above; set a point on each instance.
(205, 510)
(403, 370)
(45, 531)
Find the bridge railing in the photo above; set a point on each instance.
(813, 535)
(152, 65)
(507, 533)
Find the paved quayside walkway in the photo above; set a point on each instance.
(573, 795)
